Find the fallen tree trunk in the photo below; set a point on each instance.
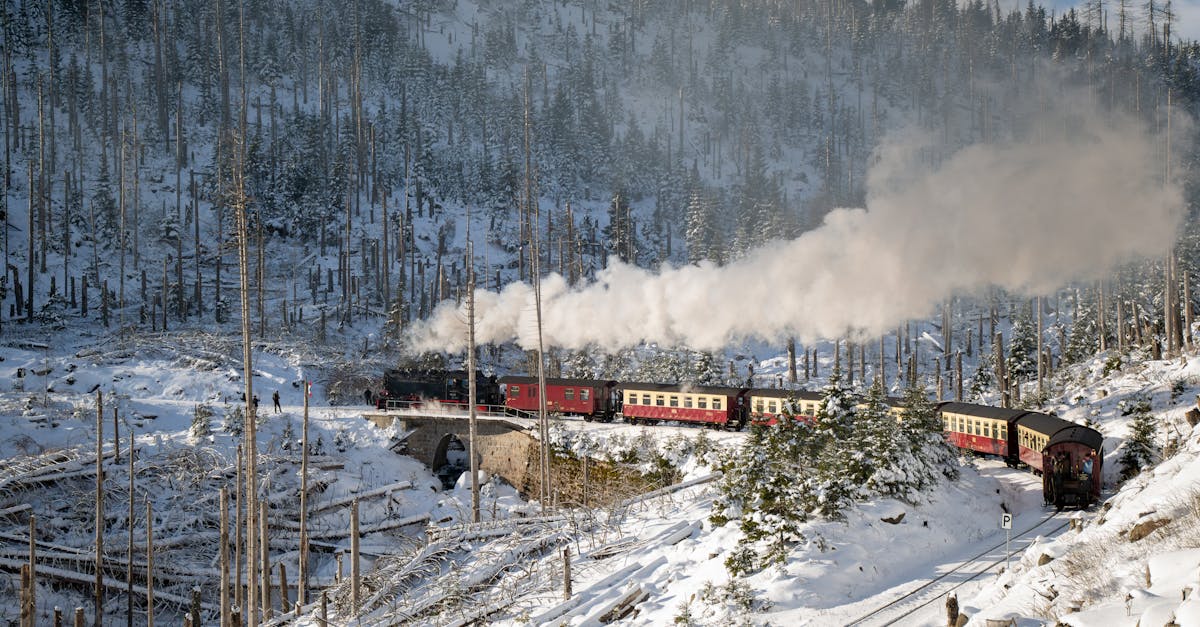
(364, 530)
(346, 500)
(87, 580)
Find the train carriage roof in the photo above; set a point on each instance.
(1044, 424)
(583, 383)
(982, 411)
(803, 395)
(675, 388)
(1078, 433)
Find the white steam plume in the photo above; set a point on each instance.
(1081, 194)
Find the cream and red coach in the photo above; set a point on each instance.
(766, 405)
(717, 407)
(979, 428)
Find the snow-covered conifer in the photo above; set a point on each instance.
(1140, 449)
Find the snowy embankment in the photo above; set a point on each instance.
(649, 561)
(151, 398)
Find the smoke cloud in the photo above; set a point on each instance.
(1080, 192)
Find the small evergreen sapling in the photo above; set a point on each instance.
(201, 424)
(235, 420)
(1139, 450)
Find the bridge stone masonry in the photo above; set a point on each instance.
(505, 446)
(507, 449)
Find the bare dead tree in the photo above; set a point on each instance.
(251, 474)
(98, 619)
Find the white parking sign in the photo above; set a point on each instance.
(1006, 521)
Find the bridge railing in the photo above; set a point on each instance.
(452, 407)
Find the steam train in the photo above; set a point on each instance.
(1069, 457)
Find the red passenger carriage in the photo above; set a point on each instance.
(593, 400)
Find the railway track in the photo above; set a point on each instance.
(937, 588)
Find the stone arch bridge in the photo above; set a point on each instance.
(505, 447)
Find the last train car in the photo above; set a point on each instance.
(1072, 461)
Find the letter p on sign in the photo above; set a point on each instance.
(1006, 521)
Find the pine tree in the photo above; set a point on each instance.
(921, 435)
(1139, 450)
(771, 511)
(201, 426)
(830, 448)
(701, 229)
(1082, 343)
(235, 420)
(874, 441)
(1022, 350)
(579, 364)
(664, 366)
(105, 206)
(983, 377)
(706, 369)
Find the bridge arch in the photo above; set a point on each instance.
(504, 447)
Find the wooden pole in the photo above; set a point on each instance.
(239, 594)
(98, 619)
(79, 617)
(224, 557)
(265, 572)
(958, 377)
(473, 423)
(1041, 366)
(566, 554)
(26, 613)
(149, 564)
(302, 582)
(129, 546)
(251, 476)
(283, 595)
(882, 375)
(116, 434)
(354, 583)
(32, 571)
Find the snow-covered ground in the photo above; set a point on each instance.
(660, 554)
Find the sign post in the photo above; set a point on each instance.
(1006, 525)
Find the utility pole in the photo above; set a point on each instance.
(543, 419)
(473, 422)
